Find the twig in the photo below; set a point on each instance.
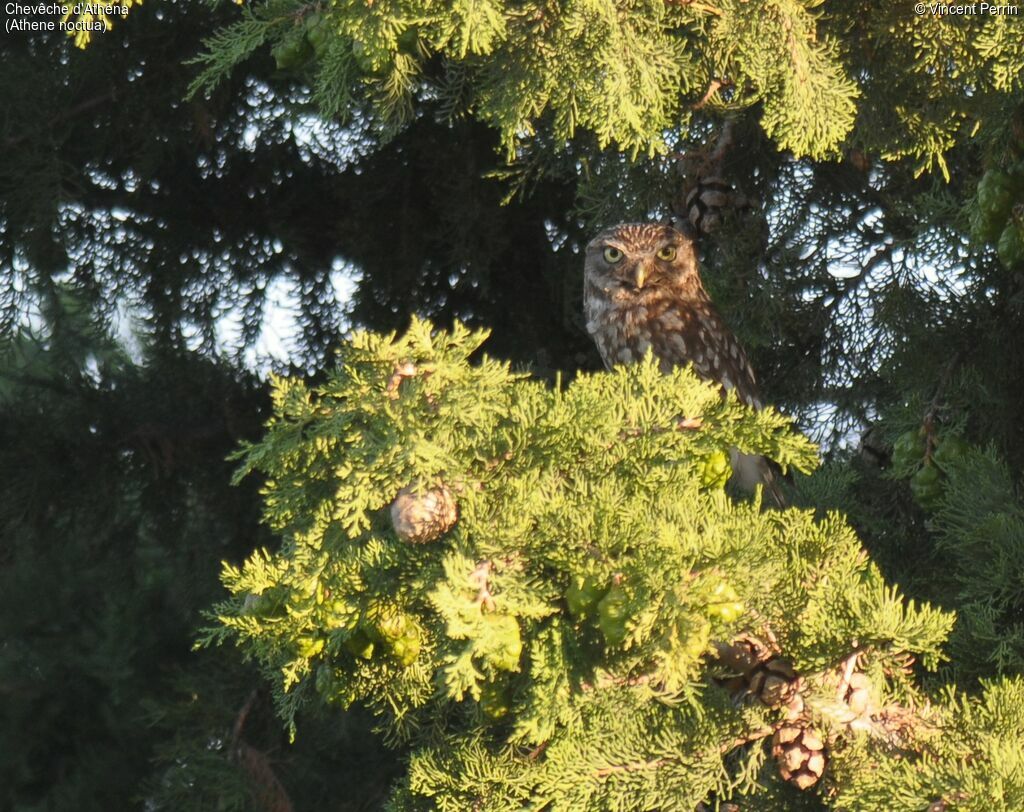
(849, 665)
(402, 371)
(657, 763)
(697, 6)
(479, 578)
(754, 736)
(70, 112)
(633, 766)
(713, 88)
(942, 383)
(537, 751)
(724, 142)
(682, 424)
(268, 792)
(243, 714)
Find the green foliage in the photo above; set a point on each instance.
(98, 583)
(628, 74)
(625, 74)
(852, 282)
(809, 102)
(979, 530)
(227, 47)
(948, 76)
(563, 625)
(115, 510)
(972, 758)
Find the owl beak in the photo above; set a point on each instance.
(641, 273)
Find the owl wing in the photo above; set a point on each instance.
(730, 365)
(727, 363)
(699, 336)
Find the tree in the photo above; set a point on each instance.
(864, 274)
(561, 599)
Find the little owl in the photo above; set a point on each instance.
(642, 290)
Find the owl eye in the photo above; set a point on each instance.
(612, 255)
(667, 253)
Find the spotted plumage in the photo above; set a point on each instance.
(642, 290)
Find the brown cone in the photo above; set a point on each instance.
(773, 681)
(800, 754)
(858, 696)
(425, 516)
(740, 656)
(706, 202)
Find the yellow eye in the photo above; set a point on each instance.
(612, 255)
(667, 253)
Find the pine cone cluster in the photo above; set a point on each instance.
(424, 516)
(799, 744)
(798, 749)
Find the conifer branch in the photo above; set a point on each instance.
(242, 716)
(628, 569)
(756, 735)
(634, 766)
(697, 6)
(681, 424)
(65, 115)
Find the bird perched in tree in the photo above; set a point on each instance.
(642, 290)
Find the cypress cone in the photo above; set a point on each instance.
(858, 695)
(767, 676)
(706, 202)
(423, 517)
(773, 682)
(742, 655)
(800, 753)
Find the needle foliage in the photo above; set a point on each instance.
(554, 649)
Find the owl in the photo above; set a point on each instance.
(642, 290)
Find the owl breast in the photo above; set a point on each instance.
(626, 325)
(621, 330)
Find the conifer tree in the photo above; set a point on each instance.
(547, 597)
(868, 256)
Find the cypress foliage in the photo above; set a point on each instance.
(625, 75)
(874, 273)
(566, 644)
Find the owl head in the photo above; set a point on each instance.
(636, 257)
